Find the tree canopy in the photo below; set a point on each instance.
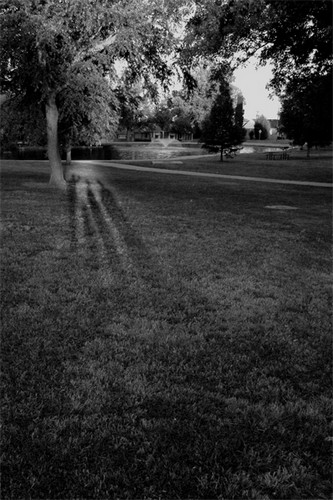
(306, 115)
(220, 128)
(261, 127)
(60, 55)
(296, 36)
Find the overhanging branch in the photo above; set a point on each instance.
(95, 49)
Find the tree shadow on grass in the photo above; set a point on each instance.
(100, 229)
(150, 395)
(113, 243)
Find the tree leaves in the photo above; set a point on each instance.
(306, 110)
(62, 33)
(68, 48)
(219, 127)
(296, 36)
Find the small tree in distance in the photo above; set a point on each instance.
(261, 128)
(163, 118)
(239, 119)
(219, 129)
(182, 123)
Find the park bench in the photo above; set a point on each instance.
(283, 155)
(231, 152)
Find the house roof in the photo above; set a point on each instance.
(249, 124)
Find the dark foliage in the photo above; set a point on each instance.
(220, 128)
(306, 115)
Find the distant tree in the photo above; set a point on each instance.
(240, 131)
(163, 118)
(219, 129)
(131, 99)
(182, 123)
(199, 101)
(261, 128)
(306, 114)
(146, 124)
(260, 132)
(182, 114)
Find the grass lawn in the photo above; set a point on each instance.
(165, 337)
(317, 168)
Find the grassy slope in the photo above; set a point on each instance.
(164, 338)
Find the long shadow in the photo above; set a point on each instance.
(71, 203)
(162, 299)
(104, 218)
(183, 421)
(172, 301)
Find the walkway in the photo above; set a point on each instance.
(123, 166)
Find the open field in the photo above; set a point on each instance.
(316, 168)
(166, 336)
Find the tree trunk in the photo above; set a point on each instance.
(129, 135)
(57, 173)
(68, 155)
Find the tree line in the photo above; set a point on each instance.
(59, 63)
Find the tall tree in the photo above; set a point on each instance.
(219, 129)
(198, 102)
(306, 115)
(239, 119)
(55, 52)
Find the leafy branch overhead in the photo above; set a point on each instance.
(296, 36)
(62, 55)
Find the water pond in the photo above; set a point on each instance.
(131, 151)
(154, 151)
(151, 152)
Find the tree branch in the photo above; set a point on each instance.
(245, 59)
(97, 47)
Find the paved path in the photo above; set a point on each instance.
(123, 166)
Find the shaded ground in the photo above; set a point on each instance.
(164, 338)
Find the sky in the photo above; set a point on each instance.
(252, 82)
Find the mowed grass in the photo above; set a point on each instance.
(164, 337)
(317, 168)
